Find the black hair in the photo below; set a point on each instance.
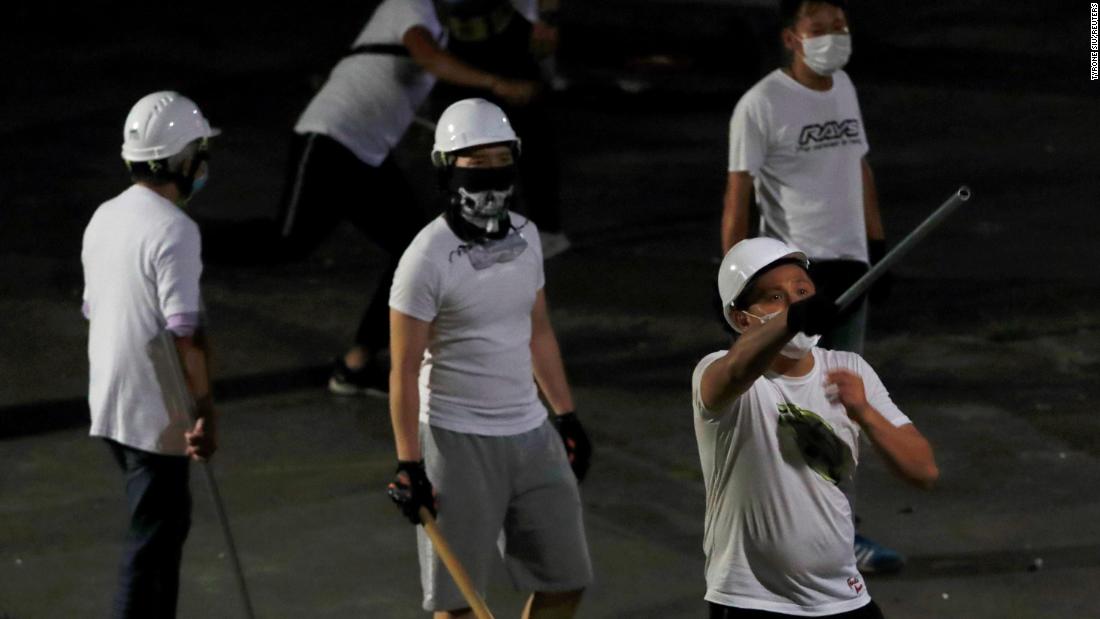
(789, 9)
(154, 172)
(171, 169)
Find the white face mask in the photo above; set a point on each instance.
(799, 345)
(827, 53)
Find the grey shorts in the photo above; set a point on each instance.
(512, 497)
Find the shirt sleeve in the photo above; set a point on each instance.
(748, 135)
(178, 268)
(417, 288)
(859, 116)
(410, 13)
(697, 395)
(878, 397)
(529, 9)
(534, 242)
(184, 325)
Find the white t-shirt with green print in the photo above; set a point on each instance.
(778, 534)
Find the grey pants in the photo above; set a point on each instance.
(503, 497)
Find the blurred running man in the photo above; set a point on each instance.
(341, 164)
(778, 422)
(141, 277)
(471, 337)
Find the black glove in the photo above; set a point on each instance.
(577, 445)
(880, 290)
(410, 489)
(812, 316)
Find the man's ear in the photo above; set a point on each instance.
(791, 41)
(740, 320)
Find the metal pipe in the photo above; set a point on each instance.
(898, 252)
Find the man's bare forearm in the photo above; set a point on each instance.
(194, 353)
(735, 209)
(550, 372)
(871, 214)
(905, 449)
(405, 413)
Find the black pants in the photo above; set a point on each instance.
(508, 54)
(159, 499)
(327, 184)
(717, 611)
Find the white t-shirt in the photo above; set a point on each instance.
(142, 264)
(476, 376)
(369, 100)
(803, 148)
(778, 536)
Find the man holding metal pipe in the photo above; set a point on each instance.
(797, 142)
(778, 422)
(471, 337)
(141, 274)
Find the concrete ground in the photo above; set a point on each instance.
(989, 341)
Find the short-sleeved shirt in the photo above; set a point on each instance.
(369, 100)
(142, 264)
(803, 148)
(476, 376)
(778, 535)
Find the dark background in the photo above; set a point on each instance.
(989, 341)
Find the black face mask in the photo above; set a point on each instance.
(481, 197)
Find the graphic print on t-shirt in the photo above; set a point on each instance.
(814, 439)
(816, 136)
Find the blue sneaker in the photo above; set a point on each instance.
(871, 558)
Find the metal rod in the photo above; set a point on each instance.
(223, 518)
(169, 371)
(902, 248)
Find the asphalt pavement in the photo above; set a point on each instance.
(989, 341)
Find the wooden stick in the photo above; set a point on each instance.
(461, 578)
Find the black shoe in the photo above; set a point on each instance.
(368, 380)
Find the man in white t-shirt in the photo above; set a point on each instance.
(341, 168)
(778, 422)
(515, 38)
(797, 141)
(471, 336)
(141, 278)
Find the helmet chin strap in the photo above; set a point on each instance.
(185, 181)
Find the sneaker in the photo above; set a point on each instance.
(368, 380)
(871, 558)
(554, 243)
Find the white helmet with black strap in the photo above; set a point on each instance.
(163, 131)
(478, 198)
(745, 262)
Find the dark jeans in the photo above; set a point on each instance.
(327, 184)
(508, 54)
(159, 500)
(717, 611)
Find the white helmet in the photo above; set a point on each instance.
(161, 125)
(468, 123)
(745, 260)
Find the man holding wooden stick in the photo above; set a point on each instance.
(470, 337)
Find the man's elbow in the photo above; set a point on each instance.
(926, 476)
